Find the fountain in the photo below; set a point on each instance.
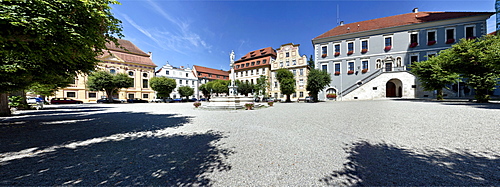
(232, 101)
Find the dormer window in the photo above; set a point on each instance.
(145, 75)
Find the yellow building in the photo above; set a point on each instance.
(288, 57)
(133, 61)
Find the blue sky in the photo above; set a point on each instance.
(187, 33)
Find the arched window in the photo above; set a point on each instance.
(112, 71)
(131, 73)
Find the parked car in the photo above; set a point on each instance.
(64, 101)
(105, 100)
(31, 100)
(203, 99)
(309, 99)
(177, 100)
(156, 100)
(257, 99)
(137, 100)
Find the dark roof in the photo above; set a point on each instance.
(397, 20)
(131, 54)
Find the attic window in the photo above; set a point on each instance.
(252, 55)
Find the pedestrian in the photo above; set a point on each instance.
(39, 102)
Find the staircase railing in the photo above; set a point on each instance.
(363, 81)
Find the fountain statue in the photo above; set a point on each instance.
(232, 101)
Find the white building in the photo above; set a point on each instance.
(183, 77)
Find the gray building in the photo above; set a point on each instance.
(370, 59)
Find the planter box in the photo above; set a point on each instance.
(387, 48)
(323, 55)
(431, 42)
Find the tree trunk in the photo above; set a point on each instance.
(288, 98)
(439, 95)
(4, 105)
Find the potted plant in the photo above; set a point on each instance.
(364, 70)
(337, 53)
(431, 42)
(387, 48)
(450, 41)
(331, 96)
(323, 55)
(350, 72)
(270, 103)
(471, 38)
(337, 73)
(196, 104)
(249, 106)
(414, 44)
(364, 50)
(350, 52)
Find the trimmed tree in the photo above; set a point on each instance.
(186, 91)
(262, 85)
(287, 82)
(45, 38)
(108, 82)
(244, 87)
(317, 80)
(432, 75)
(162, 85)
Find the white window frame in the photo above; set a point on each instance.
(340, 47)
(367, 63)
(340, 67)
(418, 36)
(473, 30)
(446, 33)
(430, 53)
(414, 54)
(367, 44)
(353, 65)
(326, 64)
(392, 41)
(353, 47)
(435, 35)
(321, 49)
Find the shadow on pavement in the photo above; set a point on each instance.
(462, 102)
(121, 148)
(388, 165)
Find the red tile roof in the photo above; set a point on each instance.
(201, 69)
(397, 20)
(258, 53)
(131, 54)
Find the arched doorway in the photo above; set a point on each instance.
(394, 88)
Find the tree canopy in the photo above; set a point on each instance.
(286, 81)
(432, 76)
(162, 85)
(41, 39)
(244, 87)
(108, 82)
(215, 86)
(261, 86)
(186, 91)
(317, 80)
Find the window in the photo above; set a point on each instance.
(145, 96)
(246, 73)
(258, 62)
(294, 62)
(294, 72)
(350, 48)
(337, 67)
(131, 73)
(209, 75)
(192, 83)
(145, 83)
(294, 95)
(145, 75)
(337, 48)
(324, 67)
(130, 96)
(287, 54)
(264, 61)
(187, 74)
(365, 64)
(112, 71)
(281, 64)
(350, 66)
(469, 32)
(324, 50)
(450, 35)
(364, 46)
(431, 54)
(217, 76)
(168, 73)
(247, 64)
(70, 94)
(287, 63)
(237, 66)
(253, 63)
(301, 72)
(414, 38)
(92, 95)
(413, 58)
(431, 37)
(301, 94)
(388, 41)
(301, 81)
(275, 84)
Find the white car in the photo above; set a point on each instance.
(31, 100)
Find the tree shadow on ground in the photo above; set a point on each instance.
(171, 160)
(461, 102)
(41, 131)
(388, 165)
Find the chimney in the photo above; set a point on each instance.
(415, 10)
(150, 55)
(341, 23)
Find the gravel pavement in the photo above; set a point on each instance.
(355, 143)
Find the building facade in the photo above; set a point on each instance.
(370, 59)
(288, 57)
(182, 76)
(254, 64)
(132, 61)
(205, 75)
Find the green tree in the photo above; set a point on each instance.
(286, 81)
(310, 63)
(162, 85)
(261, 86)
(244, 87)
(432, 75)
(49, 87)
(108, 82)
(186, 91)
(317, 80)
(476, 60)
(204, 90)
(44, 38)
